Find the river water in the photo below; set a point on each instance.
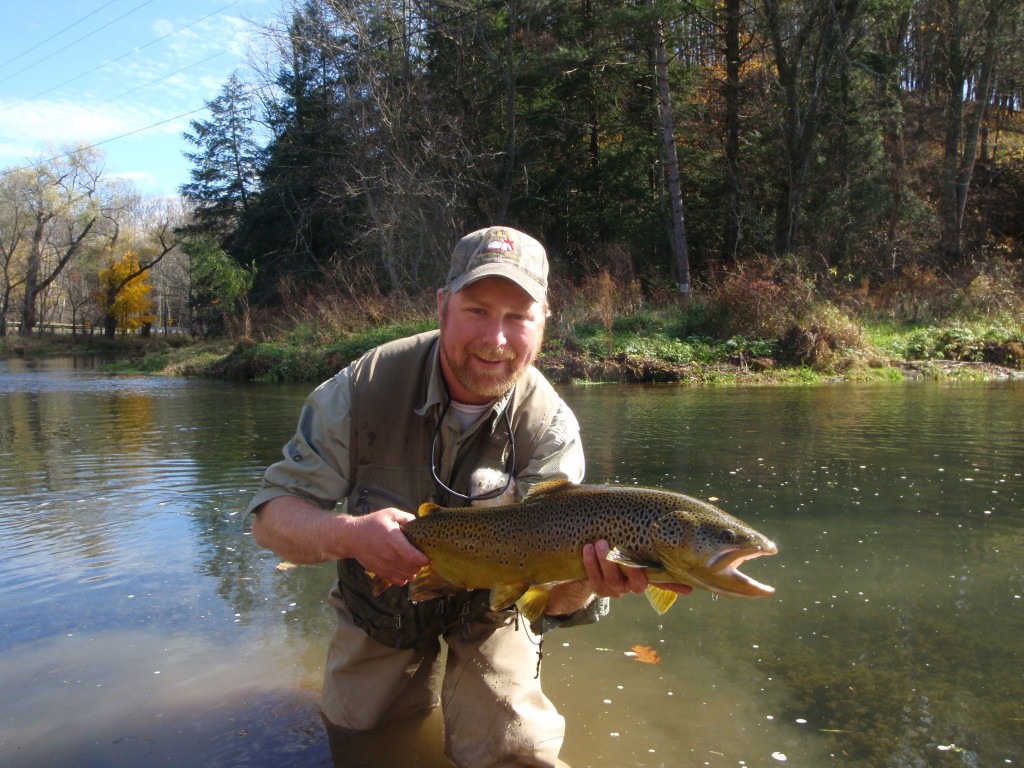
(141, 625)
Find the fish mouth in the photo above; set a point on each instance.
(727, 579)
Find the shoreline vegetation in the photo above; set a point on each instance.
(748, 328)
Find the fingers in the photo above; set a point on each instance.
(384, 549)
(609, 579)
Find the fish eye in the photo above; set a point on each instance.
(728, 536)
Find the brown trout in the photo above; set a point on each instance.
(519, 551)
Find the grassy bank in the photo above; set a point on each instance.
(652, 345)
(780, 324)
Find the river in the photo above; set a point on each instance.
(141, 624)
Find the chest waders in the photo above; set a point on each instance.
(391, 467)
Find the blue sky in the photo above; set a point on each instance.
(127, 75)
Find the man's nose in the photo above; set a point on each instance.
(495, 333)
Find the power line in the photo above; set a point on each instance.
(56, 34)
(126, 55)
(63, 155)
(382, 44)
(76, 42)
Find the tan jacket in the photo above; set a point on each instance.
(366, 436)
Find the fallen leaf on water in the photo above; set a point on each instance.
(646, 654)
(286, 566)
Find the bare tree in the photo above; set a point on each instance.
(60, 206)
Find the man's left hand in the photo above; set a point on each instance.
(608, 579)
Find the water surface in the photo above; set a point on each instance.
(142, 625)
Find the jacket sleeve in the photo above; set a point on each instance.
(558, 454)
(316, 459)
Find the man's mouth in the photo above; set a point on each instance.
(493, 355)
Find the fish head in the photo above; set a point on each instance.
(704, 546)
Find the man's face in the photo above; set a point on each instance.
(491, 331)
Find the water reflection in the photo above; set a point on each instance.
(897, 511)
(894, 638)
(136, 698)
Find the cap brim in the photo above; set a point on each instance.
(533, 287)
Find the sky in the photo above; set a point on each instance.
(124, 75)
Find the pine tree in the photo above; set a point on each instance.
(227, 161)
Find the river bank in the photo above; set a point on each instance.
(641, 352)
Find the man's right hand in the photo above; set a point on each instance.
(377, 542)
(300, 531)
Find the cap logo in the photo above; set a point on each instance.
(500, 246)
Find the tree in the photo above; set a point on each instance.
(798, 126)
(973, 35)
(681, 262)
(218, 285)
(132, 253)
(60, 209)
(14, 217)
(226, 165)
(810, 44)
(79, 286)
(124, 294)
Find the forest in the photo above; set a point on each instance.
(868, 150)
(647, 138)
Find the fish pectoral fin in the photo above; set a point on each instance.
(533, 602)
(503, 595)
(378, 583)
(629, 560)
(660, 599)
(428, 584)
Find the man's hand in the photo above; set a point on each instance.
(605, 579)
(377, 542)
(609, 579)
(301, 532)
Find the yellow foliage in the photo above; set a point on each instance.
(130, 305)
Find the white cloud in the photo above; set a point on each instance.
(42, 129)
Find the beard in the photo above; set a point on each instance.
(491, 383)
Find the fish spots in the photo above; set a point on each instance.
(541, 539)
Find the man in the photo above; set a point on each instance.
(429, 418)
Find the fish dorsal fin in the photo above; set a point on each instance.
(426, 508)
(549, 488)
(503, 595)
(533, 602)
(660, 599)
(629, 560)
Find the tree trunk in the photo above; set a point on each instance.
(35, 260)
(981, 97)
(892, 127)
(680, 252)
(952, 248)
(731, 232)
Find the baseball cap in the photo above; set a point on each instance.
(501, 252)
